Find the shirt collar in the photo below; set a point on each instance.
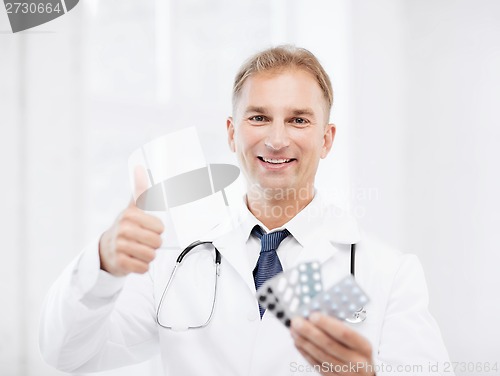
(316, 219)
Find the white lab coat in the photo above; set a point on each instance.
(92, 322)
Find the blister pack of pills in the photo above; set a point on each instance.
(299, 292)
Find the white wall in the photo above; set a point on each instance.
(41, 181)
(452, 202)
(11, 284)
(426, 82)
(415, 85)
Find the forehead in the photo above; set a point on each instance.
(282, 88)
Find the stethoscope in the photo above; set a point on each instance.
(358, 316)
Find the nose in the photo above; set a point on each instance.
(277, 137)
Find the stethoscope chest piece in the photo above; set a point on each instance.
(358, 317)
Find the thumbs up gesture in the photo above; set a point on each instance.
(129, 245)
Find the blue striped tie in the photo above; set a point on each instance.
(268, 264)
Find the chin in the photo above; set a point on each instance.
(276, 187)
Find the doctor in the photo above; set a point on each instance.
(101, 312)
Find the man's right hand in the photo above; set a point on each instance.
(129, 245)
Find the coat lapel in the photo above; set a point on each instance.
(232, 248)
(321, 251)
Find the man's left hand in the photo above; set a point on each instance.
(331, 345)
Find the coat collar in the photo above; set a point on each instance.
(319, 228)
(316, 219)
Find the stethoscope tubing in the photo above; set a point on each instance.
(358, 317)
(218, 259)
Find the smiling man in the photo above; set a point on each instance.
(95, 319)
(279, 132)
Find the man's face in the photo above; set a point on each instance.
(280, 131)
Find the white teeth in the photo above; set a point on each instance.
(276, 161)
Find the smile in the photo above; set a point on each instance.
(276, 161)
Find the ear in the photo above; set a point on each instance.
(230, 133)
(328, 138)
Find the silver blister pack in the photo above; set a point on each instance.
(299, 292)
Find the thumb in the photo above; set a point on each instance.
(132, 203)
(140, 182)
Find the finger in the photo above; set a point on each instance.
(306, 334)
(318, 354)
(342, 333)
(144, 220)
(136, 250)
(132, 232)
(132, 265)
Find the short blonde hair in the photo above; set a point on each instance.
(283, 57)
